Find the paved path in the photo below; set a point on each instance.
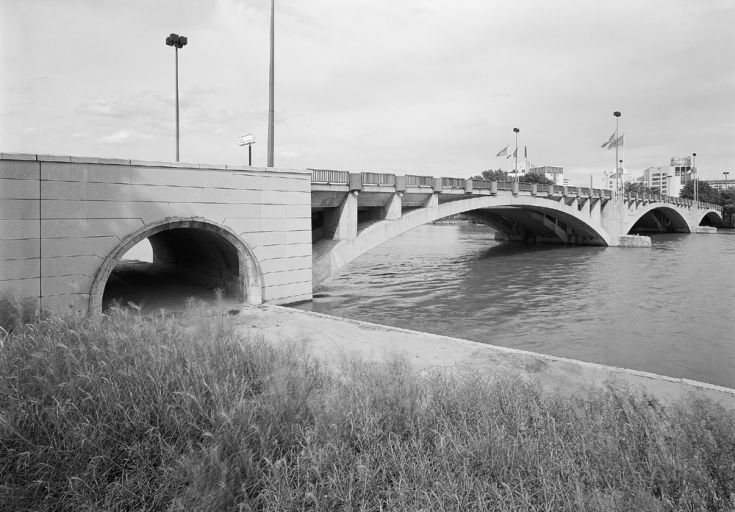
(333, 340)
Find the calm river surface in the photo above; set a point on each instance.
(668, 310)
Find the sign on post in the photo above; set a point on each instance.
(247, 140)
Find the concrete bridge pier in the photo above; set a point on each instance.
(340, 223)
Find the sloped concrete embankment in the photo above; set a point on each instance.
(335, 340)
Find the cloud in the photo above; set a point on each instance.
(123, 136)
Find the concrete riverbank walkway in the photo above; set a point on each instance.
(334, 340)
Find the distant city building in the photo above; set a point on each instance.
(609, 178)
(720, 184)
(669, 180)
(551, 172)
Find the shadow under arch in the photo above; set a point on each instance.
(711, 219)
(212, 240)
(660, 219)
(538, 225)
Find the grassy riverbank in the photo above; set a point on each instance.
(137, 413)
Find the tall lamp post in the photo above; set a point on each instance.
(724, 190)
(694, 172)
(515, 154)
(270, 95)
(177, 42)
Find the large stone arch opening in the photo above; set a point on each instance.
(660, 220)
(191, 257)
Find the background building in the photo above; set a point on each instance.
(609, 178)
(669, 180)
(555, 174)
(721, 184)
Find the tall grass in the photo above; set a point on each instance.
(140, 413)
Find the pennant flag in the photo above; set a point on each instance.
(609, 141)
(503, 152)
(515, 153)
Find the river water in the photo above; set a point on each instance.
(669, 309)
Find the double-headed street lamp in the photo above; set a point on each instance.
(515, 154)
(177, 42)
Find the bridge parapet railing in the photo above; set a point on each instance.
(542, 188)
(419, 181)
(376, 178)
(572, 191)
(584, 191)
(481, 184)
(597, 192)
(525, 187)
(606, 193)
(329, 176)
(505, 185)
(452, 182)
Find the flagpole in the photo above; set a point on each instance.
(617, 177)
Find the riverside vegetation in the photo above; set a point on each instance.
(157, 413)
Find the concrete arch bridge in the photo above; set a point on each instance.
(263, 235)
(352, 213)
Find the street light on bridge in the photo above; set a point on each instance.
(695, 187)
(177, 42)
(724, 190)
(515, 154)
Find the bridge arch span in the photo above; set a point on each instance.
(198, 248)
(515, 217)
(656, 217)
(711, 218)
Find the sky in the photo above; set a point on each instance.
(431, 87)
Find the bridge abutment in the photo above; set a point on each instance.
(65, 222)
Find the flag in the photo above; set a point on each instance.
(525, 152)
(609, 141)
(503, 152)
(617, 143)
(515, 153)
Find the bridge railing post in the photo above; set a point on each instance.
(494, 188)
(468, 186)
(534, 189)
(436, 184)
(516, 188)
(355, 181)
(401, 183)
